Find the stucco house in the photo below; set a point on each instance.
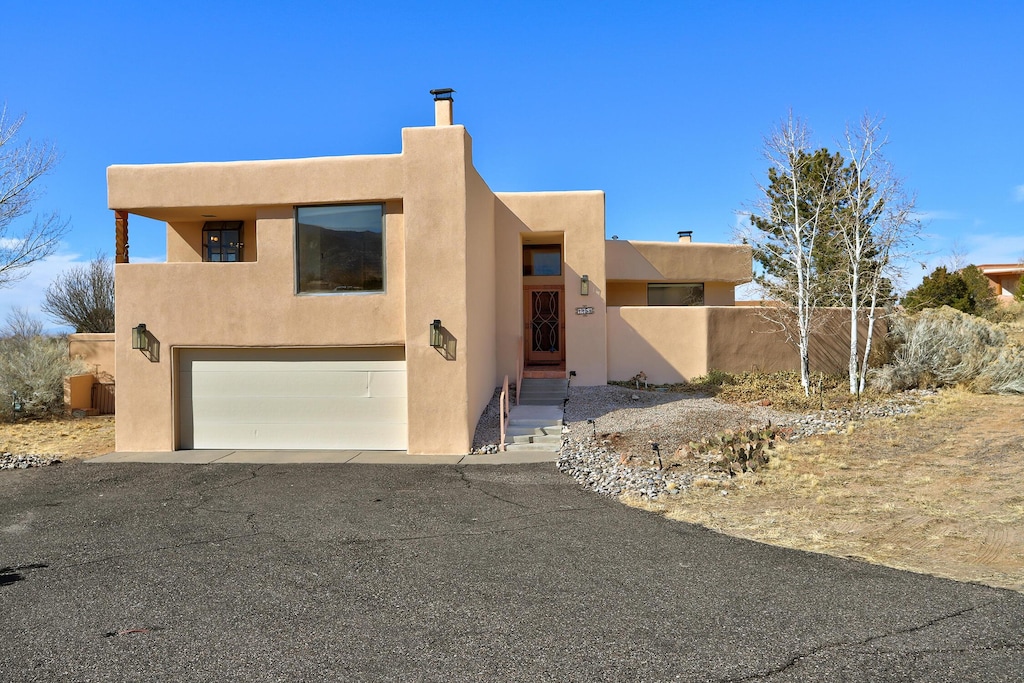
(1004, 278)
(375, 302)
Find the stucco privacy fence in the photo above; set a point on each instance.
(91, 393)
(676, 344)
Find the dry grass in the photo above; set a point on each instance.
(68, 438)
(938, 492)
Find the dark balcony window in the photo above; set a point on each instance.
(222, 241)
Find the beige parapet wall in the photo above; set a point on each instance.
(96, 350)
(693, 340)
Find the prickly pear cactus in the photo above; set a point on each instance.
(739, 451)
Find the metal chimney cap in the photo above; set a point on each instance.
(684, 233)
(442, 93)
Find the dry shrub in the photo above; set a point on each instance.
(944, 347)
(33, 367)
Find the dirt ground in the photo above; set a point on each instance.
(74, 438)
(939, 492)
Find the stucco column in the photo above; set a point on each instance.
(434, 204)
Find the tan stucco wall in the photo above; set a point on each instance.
(435, 167)
(678, 261)
(627, 293)
(668, 343)
(741, 339)
(635, 294)
(234, 190)
(719, 294)
(480, 300)
(577, 218)
(78, 392)
(96, 350)
(237, 304)
(675, 344)
(185, 240)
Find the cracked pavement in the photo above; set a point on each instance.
(146, 572)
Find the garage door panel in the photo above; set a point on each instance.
(383, 384)
(228, 384)
(302, 410)
(367, 436)
(293, 398)
(290, 366)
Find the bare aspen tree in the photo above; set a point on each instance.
(22, 164)
(875, 223)
(787, 225)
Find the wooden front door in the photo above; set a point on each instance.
(544, 324)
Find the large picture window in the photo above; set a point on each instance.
(340, 249)
(675, 294)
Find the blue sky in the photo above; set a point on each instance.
(662, 105)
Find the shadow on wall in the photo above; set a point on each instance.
(445, 344)
(677, 343)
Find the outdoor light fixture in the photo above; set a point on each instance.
(584, 285)
(18, 405)
(436, 338)
(442, 94)
(140, 340)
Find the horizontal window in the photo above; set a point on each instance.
(340, 249)
(675, 294)
(542, 259)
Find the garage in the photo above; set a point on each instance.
(274, 398)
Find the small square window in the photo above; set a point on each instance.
(339, 249)
(661, 294)
(222, 241)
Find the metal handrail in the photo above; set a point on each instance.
(519, 371)
(503, 410)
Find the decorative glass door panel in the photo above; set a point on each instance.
(544, 329)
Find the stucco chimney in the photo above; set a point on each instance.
(685, 236)
(442, 106)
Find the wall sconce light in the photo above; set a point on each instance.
(140, 340)
(436, 338)
(584, 285)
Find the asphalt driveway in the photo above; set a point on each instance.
(116, 572)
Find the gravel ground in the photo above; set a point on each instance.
(607, 441)
(10, 461)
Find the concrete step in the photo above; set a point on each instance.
(546, 383)
(533, 401)
(532, 434)
(535, 428)
(532, 424)
(541, 447)
(537, 439)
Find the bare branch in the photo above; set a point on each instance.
(83, 296)
(22, 164)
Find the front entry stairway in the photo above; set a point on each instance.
(535, 424)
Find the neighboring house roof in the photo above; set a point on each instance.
(1001, 268)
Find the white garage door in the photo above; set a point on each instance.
(345, 398)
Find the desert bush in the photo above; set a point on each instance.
(944, 347)
(33, 366)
